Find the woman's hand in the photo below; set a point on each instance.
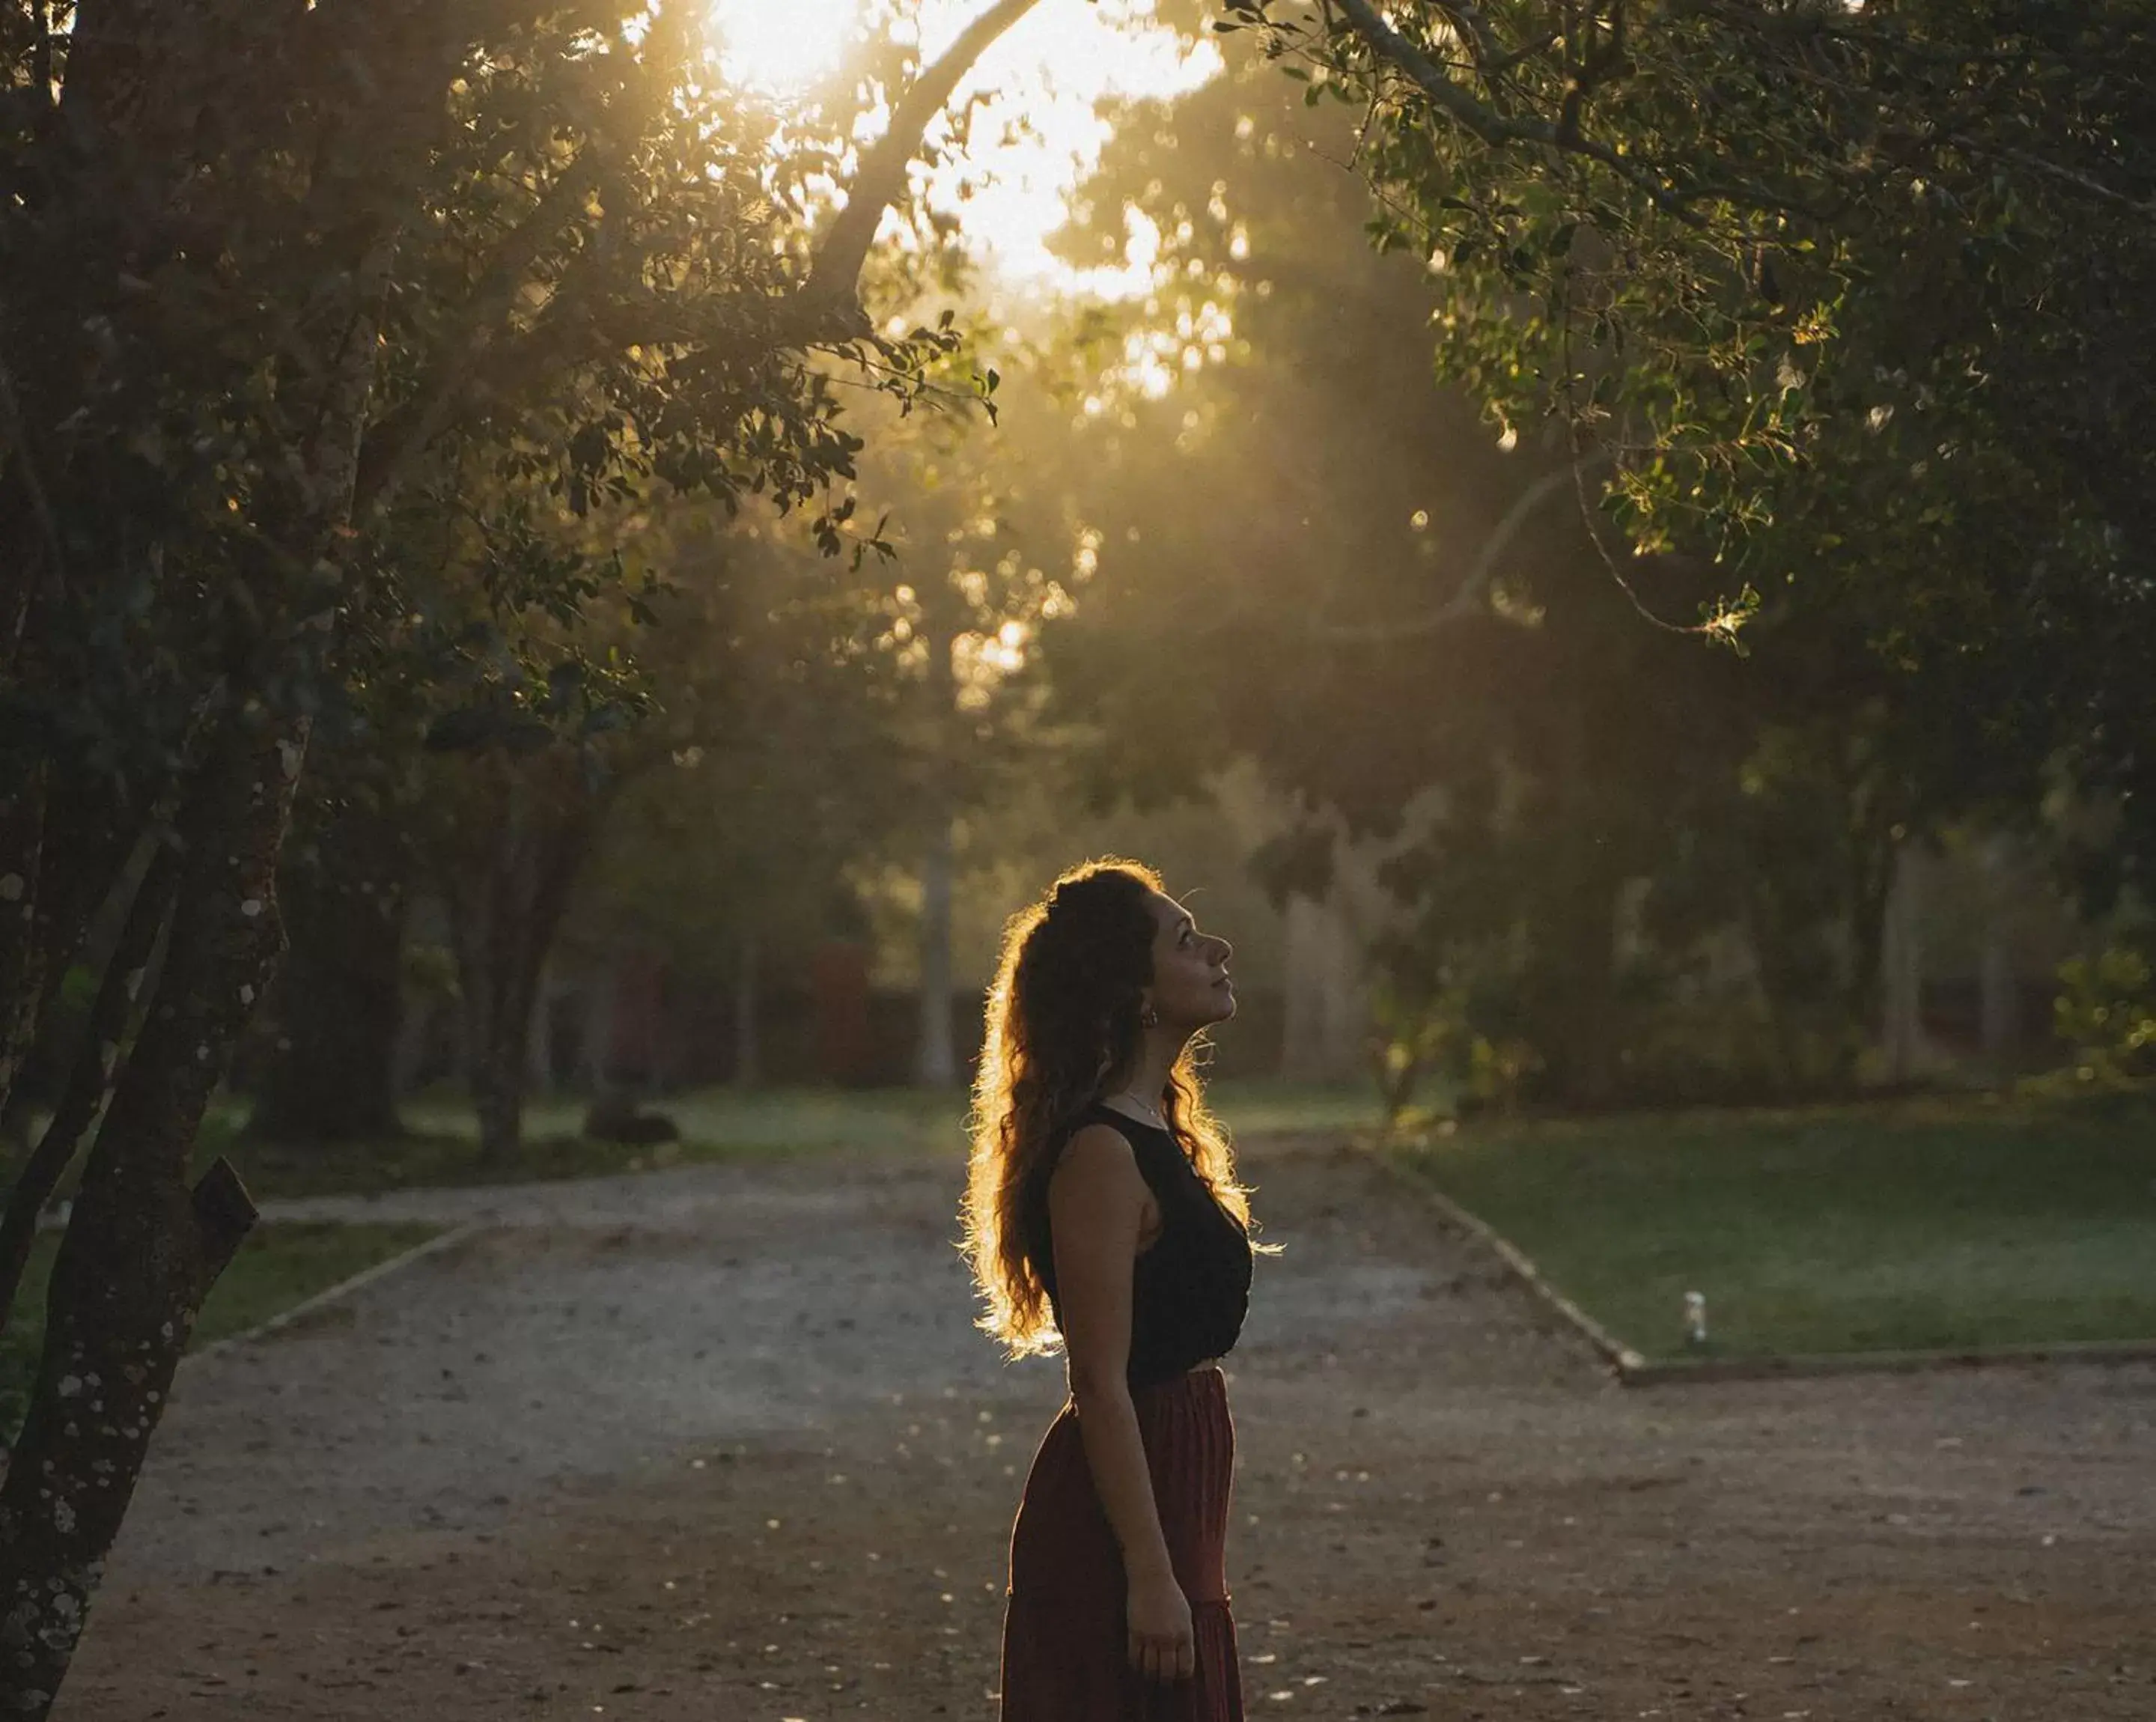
(1163, 1645)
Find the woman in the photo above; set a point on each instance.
(1101, 1212)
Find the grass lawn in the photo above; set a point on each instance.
(441, 1143)
(440, 1147)
(277, 1267)
(1916, 1227)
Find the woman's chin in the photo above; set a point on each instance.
(1225, 1009)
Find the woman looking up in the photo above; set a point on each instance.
(1101, 1213)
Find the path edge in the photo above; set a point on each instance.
(1801, 1365)
(343, 1288)
(1621, 1358)
(1632, 1368)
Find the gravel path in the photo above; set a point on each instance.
(722, 1442)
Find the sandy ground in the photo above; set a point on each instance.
(721, 1444)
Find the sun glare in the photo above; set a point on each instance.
(1039, 132)
(779, 45)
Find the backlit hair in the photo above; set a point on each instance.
(1063, 1029)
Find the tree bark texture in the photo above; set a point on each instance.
(88, 1081)
(67, 842)
(142, 1248)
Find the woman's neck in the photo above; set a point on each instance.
(1147, 1082)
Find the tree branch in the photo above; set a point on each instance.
(1497, 130)
(394, 443)
(13, 430)
(836, 271)
(89, 1079)
(822, 309)
(1467, 600)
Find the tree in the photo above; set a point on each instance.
(731, 854)
(954, 649)
(1838, 294)
(262, 272)
(1309, 552)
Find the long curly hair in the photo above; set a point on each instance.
(1063, 1029)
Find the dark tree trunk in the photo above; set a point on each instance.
(516, 838)
(22, 858)
(1902, 961)
(89, 884)
(748, 1036)
(497, 1086)
(1872, 854)
(64, 850)
(96, 1055)
(339, 1002)
(141, 1247)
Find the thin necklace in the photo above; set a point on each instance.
(1151, 1112)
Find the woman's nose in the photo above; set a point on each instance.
(1222, 949)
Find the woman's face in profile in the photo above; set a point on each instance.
(1190, 985)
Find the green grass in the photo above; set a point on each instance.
(441, 1145)
(1917, 1227)
(277, 1267)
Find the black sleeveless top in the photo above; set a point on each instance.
(1190, 1287)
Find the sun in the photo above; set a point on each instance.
(1039, 128)
(781, 45)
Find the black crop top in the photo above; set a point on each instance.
(1190, 1287)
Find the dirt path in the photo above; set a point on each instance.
(721, 1444)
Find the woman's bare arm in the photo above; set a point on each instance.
(1097, 1201)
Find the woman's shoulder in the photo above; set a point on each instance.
(1099, 1134)
(1098, 1173)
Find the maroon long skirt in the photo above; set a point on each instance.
(1065, 1652)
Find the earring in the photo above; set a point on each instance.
(1149, 1018)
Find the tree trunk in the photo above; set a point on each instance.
(142, 1249)
(21, 863)
(935, 1064)
(497, 1077)
(64, 870)
(748, 1039)
(1901, 1028)
(340, 1001)
(519, 835)
(1999, 1026)
(86, 1084)
(1325, 1025)
(540, 1075)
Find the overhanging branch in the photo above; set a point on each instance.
(1468, 600)
(1500, 131)
(835, 272)
(477, 364)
